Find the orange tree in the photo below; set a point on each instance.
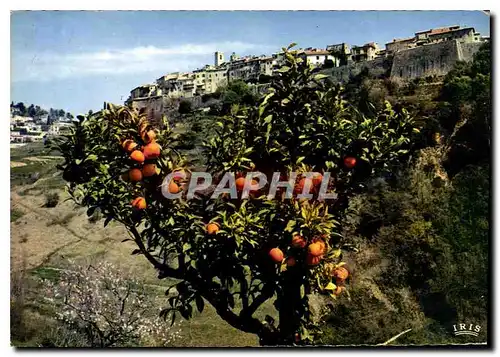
(239, 254)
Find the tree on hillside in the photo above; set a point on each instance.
(240, 254)
(236, 92)
(31, 111)
(21, 109)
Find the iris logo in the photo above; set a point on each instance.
(464, 329)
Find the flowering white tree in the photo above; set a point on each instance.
(109, 309)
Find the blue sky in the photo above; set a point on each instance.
(76, 60)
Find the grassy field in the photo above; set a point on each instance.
(44, 240)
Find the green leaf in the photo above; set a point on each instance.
(283, 69)
(320, 76)
(290, 225)
(268, 119)
(92, 157)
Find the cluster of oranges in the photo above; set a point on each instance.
(144, 158)
(315, 251)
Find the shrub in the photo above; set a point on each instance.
(109, 309)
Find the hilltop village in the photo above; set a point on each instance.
(430, 52)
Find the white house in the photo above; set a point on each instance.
(317, 57)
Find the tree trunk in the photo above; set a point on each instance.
(291, 307)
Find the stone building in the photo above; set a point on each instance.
(400, 44)
(219, 58)
(318, 57)
(146, 90)
(177, 85)
(249, 68)
(215, 78)
(341, 48)
(367, 52)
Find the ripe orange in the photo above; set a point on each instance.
(137, 156)
(240, 183)
(299, 187)
(149, 170)
(135, 175)
(129, 145)
(316, 249)
(317, 178)
(212, 228)
(173, 187)
(350, 162)
(298, 241)
(312, 260)
(340, 274)
(321, 243)
(276, 255)
(151, 151)
(290, 261)
(139, 203)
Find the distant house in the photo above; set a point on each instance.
(367, 52)
(318, 57)
(436, 35)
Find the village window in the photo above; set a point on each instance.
(317, 57)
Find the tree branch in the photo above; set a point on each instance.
(164, 269)
(259, 300)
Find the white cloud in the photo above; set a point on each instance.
(159, 60)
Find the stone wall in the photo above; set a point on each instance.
(467, 50)
(376, 67)
(436, 59)
(154, 107)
